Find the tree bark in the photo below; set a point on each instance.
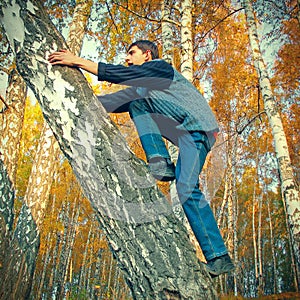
(7, 195)
(151, 246)
(186, 40)
(289, 188)
(11, 122)
(16, 266)
(167, 32)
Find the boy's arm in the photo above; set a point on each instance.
(67, 58)
(155, 74)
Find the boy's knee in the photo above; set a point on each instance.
(139, 107)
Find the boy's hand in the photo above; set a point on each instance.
(66, 58)
(63, 57)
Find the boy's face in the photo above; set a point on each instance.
(135, 56)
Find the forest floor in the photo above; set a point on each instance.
(289, 295)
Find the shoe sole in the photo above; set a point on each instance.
(163, 178)
(229, 268)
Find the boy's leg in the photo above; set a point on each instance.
(190, 162)
(153, 144)
(193, 149)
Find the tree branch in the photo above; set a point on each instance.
(5, 104)
(249, 122)
(217, 24)
(145, 16)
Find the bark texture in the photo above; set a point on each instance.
(186, 39)
(11, 122)
(151, 246)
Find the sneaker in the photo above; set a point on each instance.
(220, 265)
(162, 169)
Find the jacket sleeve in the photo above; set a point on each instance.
(156, 74)
(118, 102)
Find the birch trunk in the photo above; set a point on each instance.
(167, 32)
(11, 123)
(150, 244)
(289, 189)
(46, 262)
(7, 195)
(19, 251)
(274, 260)
(48, 152)
(260, 246)
(186, 39)
(36, 196)
(254, 229)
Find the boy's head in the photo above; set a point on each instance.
(141, 51)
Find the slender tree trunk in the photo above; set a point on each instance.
(260, 247)
(46, 261)
(167, 32)
(234, 229)
(7, 195)
(18, 257)
(274, 260)
(227, 188)
(289, 189)
(11, 123)
(186, 39)
(254, 229)
(55, 265)
(70, 247)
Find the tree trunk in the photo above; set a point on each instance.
(289, 187)
(186, 39)
(274, 259)
(167, 32)
(255, 229)
(11, 123)
(17, 269)
(260, 247)
(7, 195)
(37, 191)
(150, 244)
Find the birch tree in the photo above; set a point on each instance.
(186, 39)
(167, 32)
(48, 152)
(289, 189)
(39, 182)
(14, 257)
(151, 246)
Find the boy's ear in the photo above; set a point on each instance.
(148, 55)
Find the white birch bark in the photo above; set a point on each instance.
(289, 189)
(186, 39)
(167, 32)
(11, 122)
(7, 195)
(47, 156)
(25, 241)
(274, 259)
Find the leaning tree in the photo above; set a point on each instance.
(150, 244)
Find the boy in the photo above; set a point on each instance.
(161, 102)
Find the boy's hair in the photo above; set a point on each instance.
(145, 45)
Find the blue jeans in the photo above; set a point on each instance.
(152, 122)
